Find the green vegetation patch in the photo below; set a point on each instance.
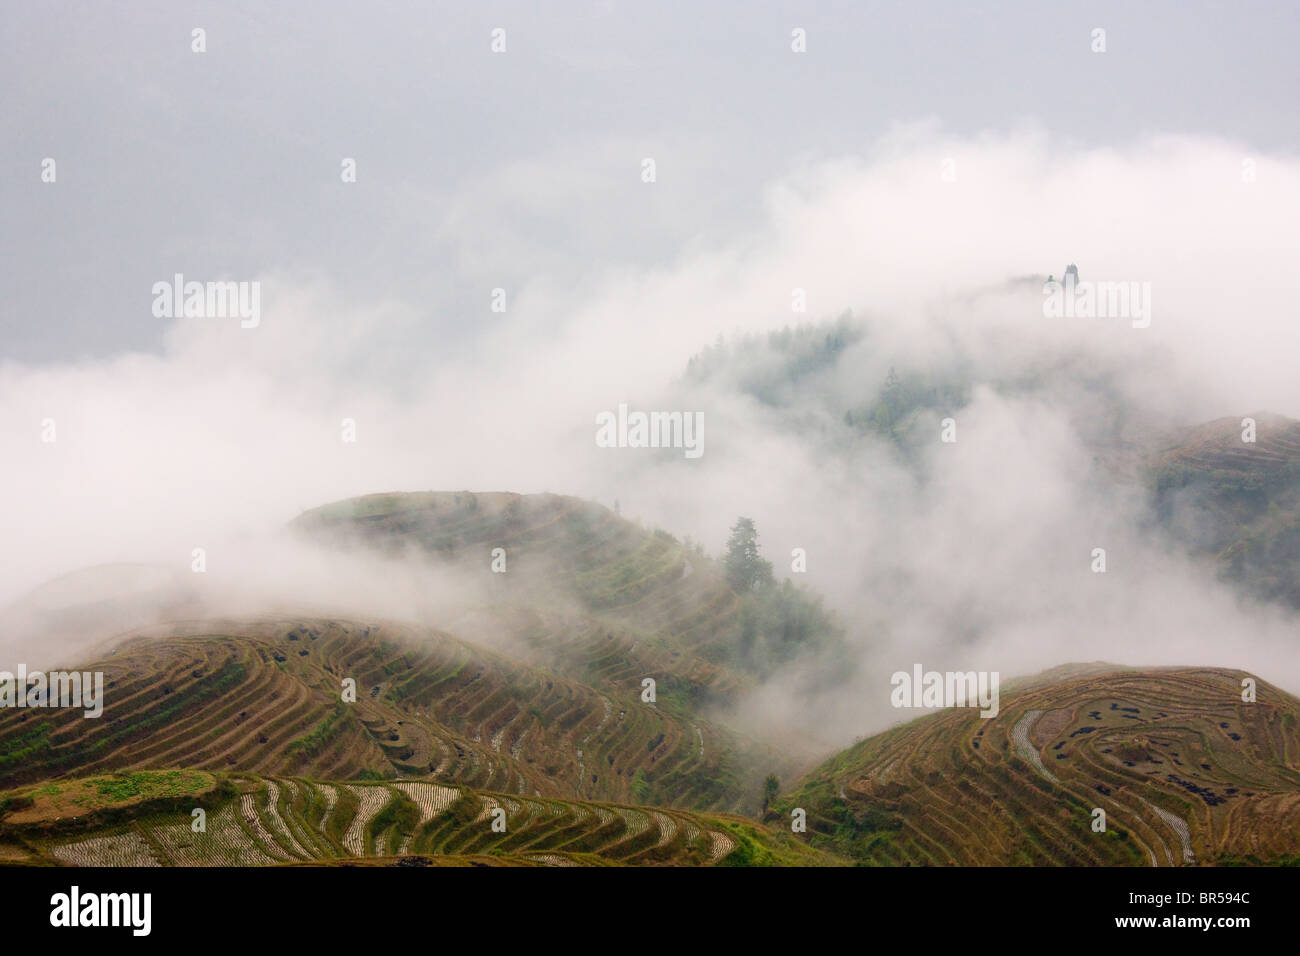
(71, 799)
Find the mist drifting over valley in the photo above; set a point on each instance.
(447, 438)
(970, 554)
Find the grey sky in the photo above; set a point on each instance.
(479, 170)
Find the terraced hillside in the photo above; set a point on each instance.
(264, 821)
(1185, 771)
(639, 602)
(1238, 501)
(266, 697)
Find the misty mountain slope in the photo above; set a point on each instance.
(265, 697)
(1236, 500)
(143, 818)
(74, 611)
(589, 592)
(1080, 417)
(773, 367)
(1185, 770)
(854, 377)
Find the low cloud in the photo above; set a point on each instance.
(975, 555)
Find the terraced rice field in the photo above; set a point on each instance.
(633, 584)
(1024, 749)
(370, 801)
(280, 821)
(1216, 446)
(1185, 770)
(567, 721)
(264, 697)
(432, 800)
(123, 849)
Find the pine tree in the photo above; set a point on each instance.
(771, 787)
(746, 569)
